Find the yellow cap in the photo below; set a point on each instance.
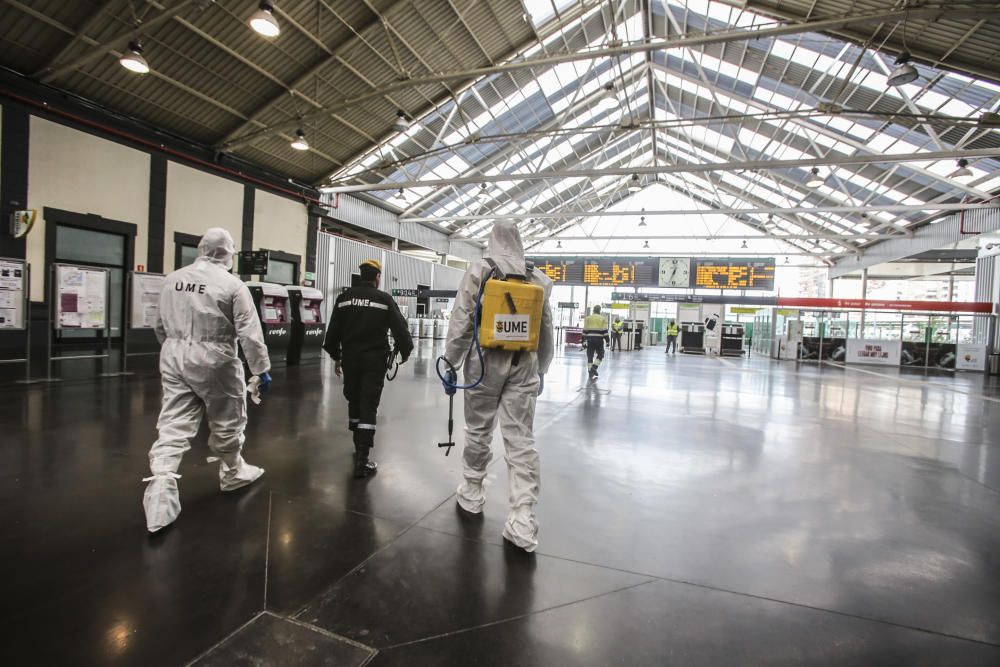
(374, 263)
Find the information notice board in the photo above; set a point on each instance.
(12, 301)
(145, 300)
(81, 297)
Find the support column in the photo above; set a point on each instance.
(864, 295)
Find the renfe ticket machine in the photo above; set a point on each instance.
(275, 318)
(308, 328)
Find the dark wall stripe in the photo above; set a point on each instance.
(246, 241)
(14, 177)
(157, 213)
(311, 229)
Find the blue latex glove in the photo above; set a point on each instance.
(450, 380)
(265, 382)
(541, 383)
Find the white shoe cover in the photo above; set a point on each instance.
(471, 497)
(239, 475)
(521, 528)
(162, 501)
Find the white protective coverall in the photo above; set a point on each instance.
(506, 388)
(203, 310)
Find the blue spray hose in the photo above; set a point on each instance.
(474, 343)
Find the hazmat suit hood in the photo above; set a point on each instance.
(218, 246)
(506, 249)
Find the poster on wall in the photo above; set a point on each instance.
(80, 297)
(12, 305)
(970, 357)
(145, 300)
(878, 352)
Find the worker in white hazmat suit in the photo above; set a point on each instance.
(204, 309)
(510, 387)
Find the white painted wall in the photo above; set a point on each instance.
(280, 224)
(80, 172)
(196, 201)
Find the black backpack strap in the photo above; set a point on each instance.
(496, 269)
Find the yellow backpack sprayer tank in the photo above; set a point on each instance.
(512, 315)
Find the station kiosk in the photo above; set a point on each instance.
(308, 328)
(273, 309)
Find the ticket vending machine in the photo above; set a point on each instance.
(275, 318)
(308, 328)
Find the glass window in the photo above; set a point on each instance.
(280, 272)
(89, 246)
(189, 253)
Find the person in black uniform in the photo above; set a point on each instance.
(356, 340)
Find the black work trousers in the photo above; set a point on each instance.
(616, 341)
(595, 346)
(364, 377)
(671, 343)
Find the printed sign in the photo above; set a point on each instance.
(879, 352)
(511, 327)
(570, 305)
(970, 357)
(405, 292)
(12, 306)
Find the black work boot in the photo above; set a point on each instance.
(363, 466)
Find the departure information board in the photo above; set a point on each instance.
(598, 271)
(703, 273)
(749, 274)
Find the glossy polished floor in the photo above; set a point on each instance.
(694, 512)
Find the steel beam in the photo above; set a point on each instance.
(828, 161)
(119, 41)
(951, 10)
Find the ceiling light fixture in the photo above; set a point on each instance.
(963, 170)
(744, 246)
(609, 98)
(815, 179)
(299, 143)
(263, 22)
(904, 72)
(559, 244)
(132, 59)
(481, 193)
(634, 185)
(645, 244)
(401, 124)
(642, 221)
(399, 194)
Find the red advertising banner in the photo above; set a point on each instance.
(871, 304)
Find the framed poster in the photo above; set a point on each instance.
(144, 299)
(970, 357)
(80, 297)
(13, 306)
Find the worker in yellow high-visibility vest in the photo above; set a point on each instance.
(672, 332)
(616, 334)
(595, 332)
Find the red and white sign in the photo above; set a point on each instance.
(871, 304)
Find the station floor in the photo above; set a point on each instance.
(694, 511)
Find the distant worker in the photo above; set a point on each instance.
(616, 334)
(511, 383)
(595, 332)
(672, 331)
(356, 340)
(204, 309)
